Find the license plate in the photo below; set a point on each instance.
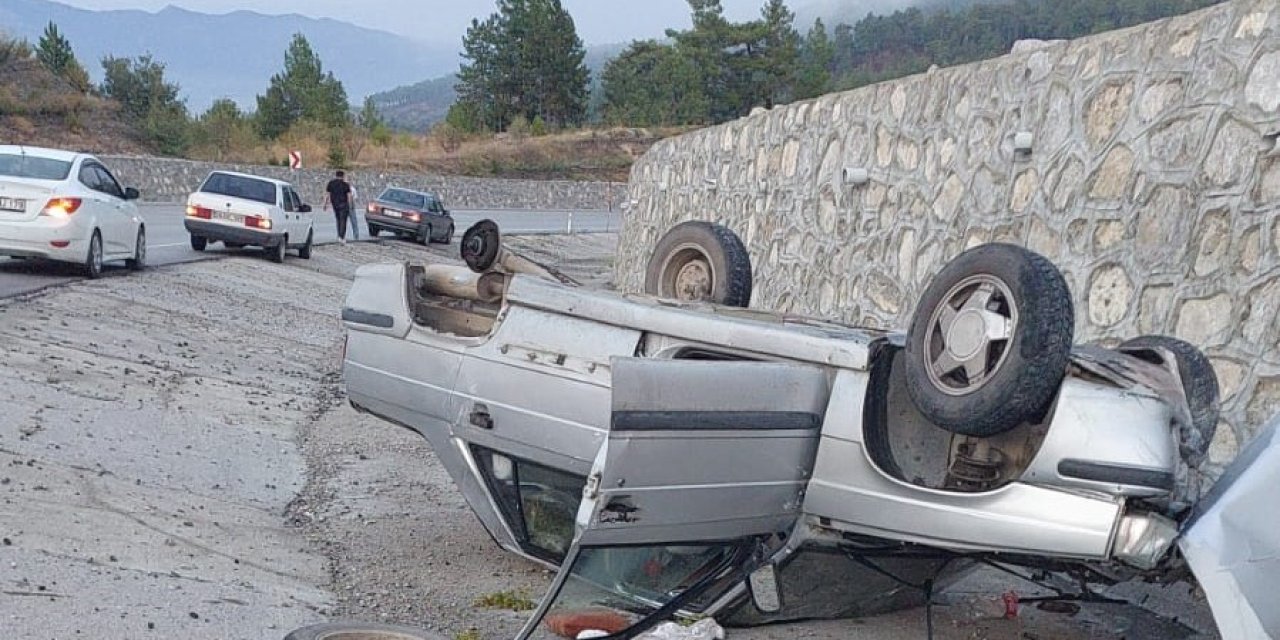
(225, 215)
(392, 213)
(13, 204)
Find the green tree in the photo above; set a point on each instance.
(54, 50)
(816, 58)
(652, 84)
(369, 118)
(223, 127)
(304, 90)
(148, 100)
(779, 46)
(525, 60)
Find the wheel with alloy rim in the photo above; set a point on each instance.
(700, 261)
(990, 341)
(93, 260)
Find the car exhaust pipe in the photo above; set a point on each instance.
(455, 282)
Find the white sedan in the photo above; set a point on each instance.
(67, 206)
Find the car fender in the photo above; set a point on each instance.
(1232, 545)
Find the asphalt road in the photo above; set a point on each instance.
(168, 242)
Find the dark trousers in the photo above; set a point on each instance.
(342, 213)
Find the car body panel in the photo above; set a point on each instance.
(704, 450)
(1232, 544)
(104, 208)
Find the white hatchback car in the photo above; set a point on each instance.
(238, 210)
(67, 206)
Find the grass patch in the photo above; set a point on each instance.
(509, 600)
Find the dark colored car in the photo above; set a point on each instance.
(410, 214)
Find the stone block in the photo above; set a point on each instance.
(1261, 322)
(1110, 296)
(1264, 403)
(1267, 192)
(1205, 322)
(1070, 179)
(944, 207)
(1153, 311)
(1231, 375)
(1159, 97)
(1225, 445)
(1234, 150)
(1111, 182)
(1263, 87)
(1160, 223)
(1107, 111)
(1107, 235)
(1176, 144)
(1213, 243)
(1024, 190)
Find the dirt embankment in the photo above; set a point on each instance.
(40, 109)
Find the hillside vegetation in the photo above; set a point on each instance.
(40, 109)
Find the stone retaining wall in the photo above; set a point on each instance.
(1153, 181)
(170, 180)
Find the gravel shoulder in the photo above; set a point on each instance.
(177, 458)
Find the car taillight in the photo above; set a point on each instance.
(199, 212)
(60, 207)
(257, 223)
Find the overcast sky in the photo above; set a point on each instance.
(598, 21)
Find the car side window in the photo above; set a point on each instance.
(90, 178)
(288, 200)
(435, 206)
(109, 184)
(297, 200)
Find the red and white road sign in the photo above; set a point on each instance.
(295, 159)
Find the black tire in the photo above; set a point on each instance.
(139, 260)
(304, 251)
(448, 237)
(93, 257)
(279, 250)
(700, 261)
(1017, 380)
(362, 631)
(424, 235)
(374, 230)
(1199, 384)
(199, 243)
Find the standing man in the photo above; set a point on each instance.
(338, 192)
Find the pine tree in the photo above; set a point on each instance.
(149, 100)
(652, 84)
(54, 50)
(302, 91)
(526, 61)
(816, 57)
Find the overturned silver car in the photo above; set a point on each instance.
(679, 455)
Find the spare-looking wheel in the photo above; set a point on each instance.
(359, 631)
(990, 341)
(699, 261)
(1199, 385)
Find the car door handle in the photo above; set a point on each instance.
(480, 417)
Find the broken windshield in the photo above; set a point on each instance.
(611, 590)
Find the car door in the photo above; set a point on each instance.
(288, 204)
(705, 463)
(121, 214)
(706, 450)
(98, 205)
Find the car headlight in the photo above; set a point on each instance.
(1143, 539)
